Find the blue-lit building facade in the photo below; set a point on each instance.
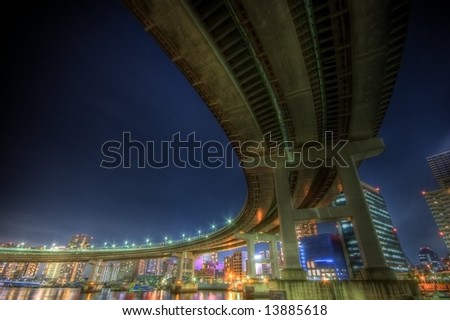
(387, 234)
(439, 200)
(429, 259)
(323, 258)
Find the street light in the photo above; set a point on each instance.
(229, 221)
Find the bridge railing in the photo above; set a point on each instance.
(113, 247)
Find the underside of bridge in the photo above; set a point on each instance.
(291, 69)
(295, 70)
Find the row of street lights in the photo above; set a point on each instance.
(167, 240)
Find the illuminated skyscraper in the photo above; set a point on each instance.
(439, 200)
(128, 270)
(305, 229)
(80, 241)
(429, 259)
(235, 266)
(22, 270)
(440, 167)
(386, 233)
(53, 271)
(110, 271)
(323, 258)
(141, 267)
(73, 271)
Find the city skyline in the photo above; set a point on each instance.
(81, 84)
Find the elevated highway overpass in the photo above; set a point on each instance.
(298, 71)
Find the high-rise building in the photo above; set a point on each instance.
(73, 272)
(428, 258)
(141, 267)
(305, 229)
(439, 200)
(239, 261)
(128, 270)
(445, 261)
(52, 272)
(235, 267)
(385, 231)
(22, 270)
(323, 258)
(80, 241)
(440, 167)
(210, 257)
(110, 271)
(262, 266)
(154, 267)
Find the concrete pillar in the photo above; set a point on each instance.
(181, 266)
(192, 267)
(375, 267)
(274, 259)
(185, 263)
(292, 270)
(251, 272)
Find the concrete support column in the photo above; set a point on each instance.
(375, 267)
(274, 258)
(181, 266)
(251, 272)
(185, 263)
(96, 264)
(192, 267)
(292, 270)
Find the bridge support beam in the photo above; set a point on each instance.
(254, 238)
(292, 269)
(275, 267)
(185, 265)
(251, 258)
(375, 267)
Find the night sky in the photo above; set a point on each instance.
(79, 74)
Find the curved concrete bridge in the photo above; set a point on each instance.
(289, 74)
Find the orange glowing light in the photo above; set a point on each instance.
(259, 215)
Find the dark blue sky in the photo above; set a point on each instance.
(79, 74)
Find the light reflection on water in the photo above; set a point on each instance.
(106, 294)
